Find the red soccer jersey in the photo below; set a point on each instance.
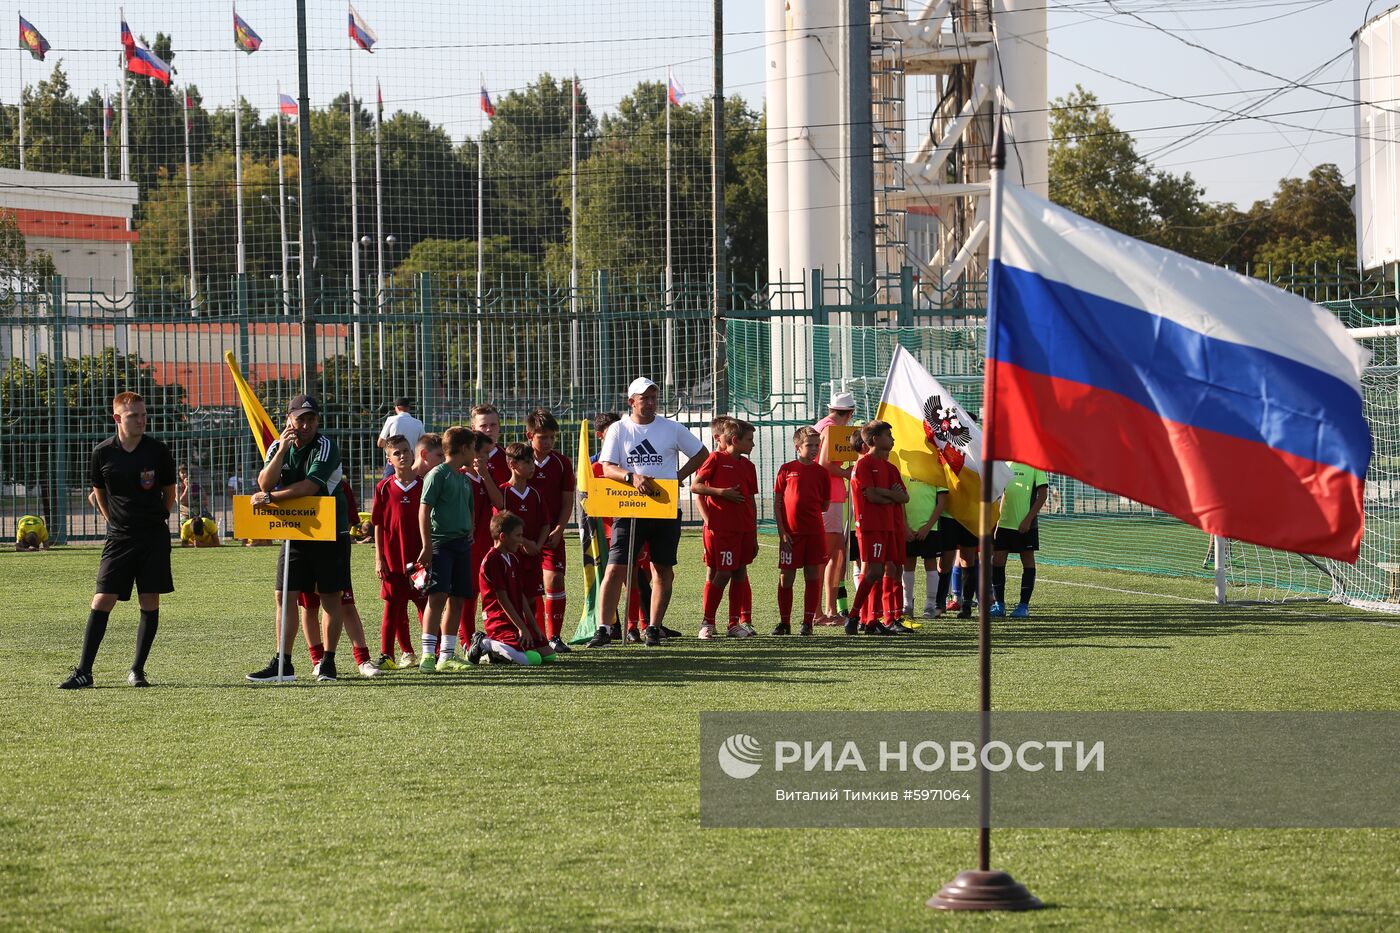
(806, 493)
(482, 510)
(500, 573)
(723, 470)
(499, 465)
(395, 517)
(529, 505)
(554, 481)
(872, 472)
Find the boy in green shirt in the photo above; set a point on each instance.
(1019, 532)
(924, 539)
(445, 524)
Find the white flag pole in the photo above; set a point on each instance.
(354, 216)
(21, 113)
(668, 377)
(106, 133)
(241, 266)
(282, 204)
(480, 225)
(379, 219)
(573, 236)
(189, 205)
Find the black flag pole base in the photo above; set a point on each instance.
(984, 890)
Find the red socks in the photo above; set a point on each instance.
(710, 604)
(811, 599)
(361, 653)
(861, 605)
(554, 614)
(466, 625)
(785, 603)
(317, 653)
(740, 601)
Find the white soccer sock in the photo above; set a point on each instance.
(449, 645)
(930, 587)
(430, 645)
(909, 591)
(502, 650)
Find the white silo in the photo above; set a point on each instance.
(1376, 58)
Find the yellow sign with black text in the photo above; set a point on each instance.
(311, 518)
(840, 440)
(608, 498)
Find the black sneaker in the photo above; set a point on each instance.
(77, 680)
(557, 645)
(269, 675)
(614, 632)
(326, 669)
(653, 636)
(669, 632)
(600, 638)
(898, 628)
(477, 650)
(806, 629)
(872, 628)
(137, 679)
(965, 612)
(630, 637)
(852, 625)
(782, 628)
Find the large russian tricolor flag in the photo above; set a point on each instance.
(1218, 398)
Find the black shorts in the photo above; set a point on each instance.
(318, 566)
(955, 534)
(929, 548)
(143, 560)
(1009, 539)
(661, 535)
(452, 571)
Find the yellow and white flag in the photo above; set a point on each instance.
(935, 441)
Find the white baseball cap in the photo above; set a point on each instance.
(642, 383)
(842, 401)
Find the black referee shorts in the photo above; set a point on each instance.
(929, 548)
(143, 560)
(955, 534)
(662, 534)
(317, 566)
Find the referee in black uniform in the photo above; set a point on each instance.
(133, 477)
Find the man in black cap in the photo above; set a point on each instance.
(133, 486)
(305, 462)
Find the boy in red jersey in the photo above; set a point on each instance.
(526, 503)
(428, 454)
(397, 544)
(727, 487)
(486, 501)
(877, 492)
(509, 630)
(486, 419)
(554, 481)
(801, 494)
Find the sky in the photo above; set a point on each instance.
(434, 57)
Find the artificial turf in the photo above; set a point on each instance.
(566, 796)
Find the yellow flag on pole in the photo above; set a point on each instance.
(935, 441)
(264, 433)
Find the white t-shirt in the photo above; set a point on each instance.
(401, 422)
(654, 449)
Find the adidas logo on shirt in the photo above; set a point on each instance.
(643, 453)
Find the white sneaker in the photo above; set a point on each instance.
(707, 632)
(407, 660)
(931, 611)
(367, 669)
(739, 631)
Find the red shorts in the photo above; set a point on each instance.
(312, 601)
(876, 546)
(726, 550)
(396, 588)
(481, 546)
(504, 632)
(553, 558)
(901, 548)
(805, 551)
(752, 543)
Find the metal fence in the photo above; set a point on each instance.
(775, 356)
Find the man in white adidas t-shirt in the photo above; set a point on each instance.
(636, 450)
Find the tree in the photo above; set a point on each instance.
(22, 273)
(1095, 171)
(1307, 219)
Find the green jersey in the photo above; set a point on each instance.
(450, 495)
(923, 499)
(1020, 492)
(319, 462)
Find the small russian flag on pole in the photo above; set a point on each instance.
(359, 31)
(487, 107)
(287, 105)
(674, 91)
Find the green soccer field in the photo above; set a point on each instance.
(567, 796)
